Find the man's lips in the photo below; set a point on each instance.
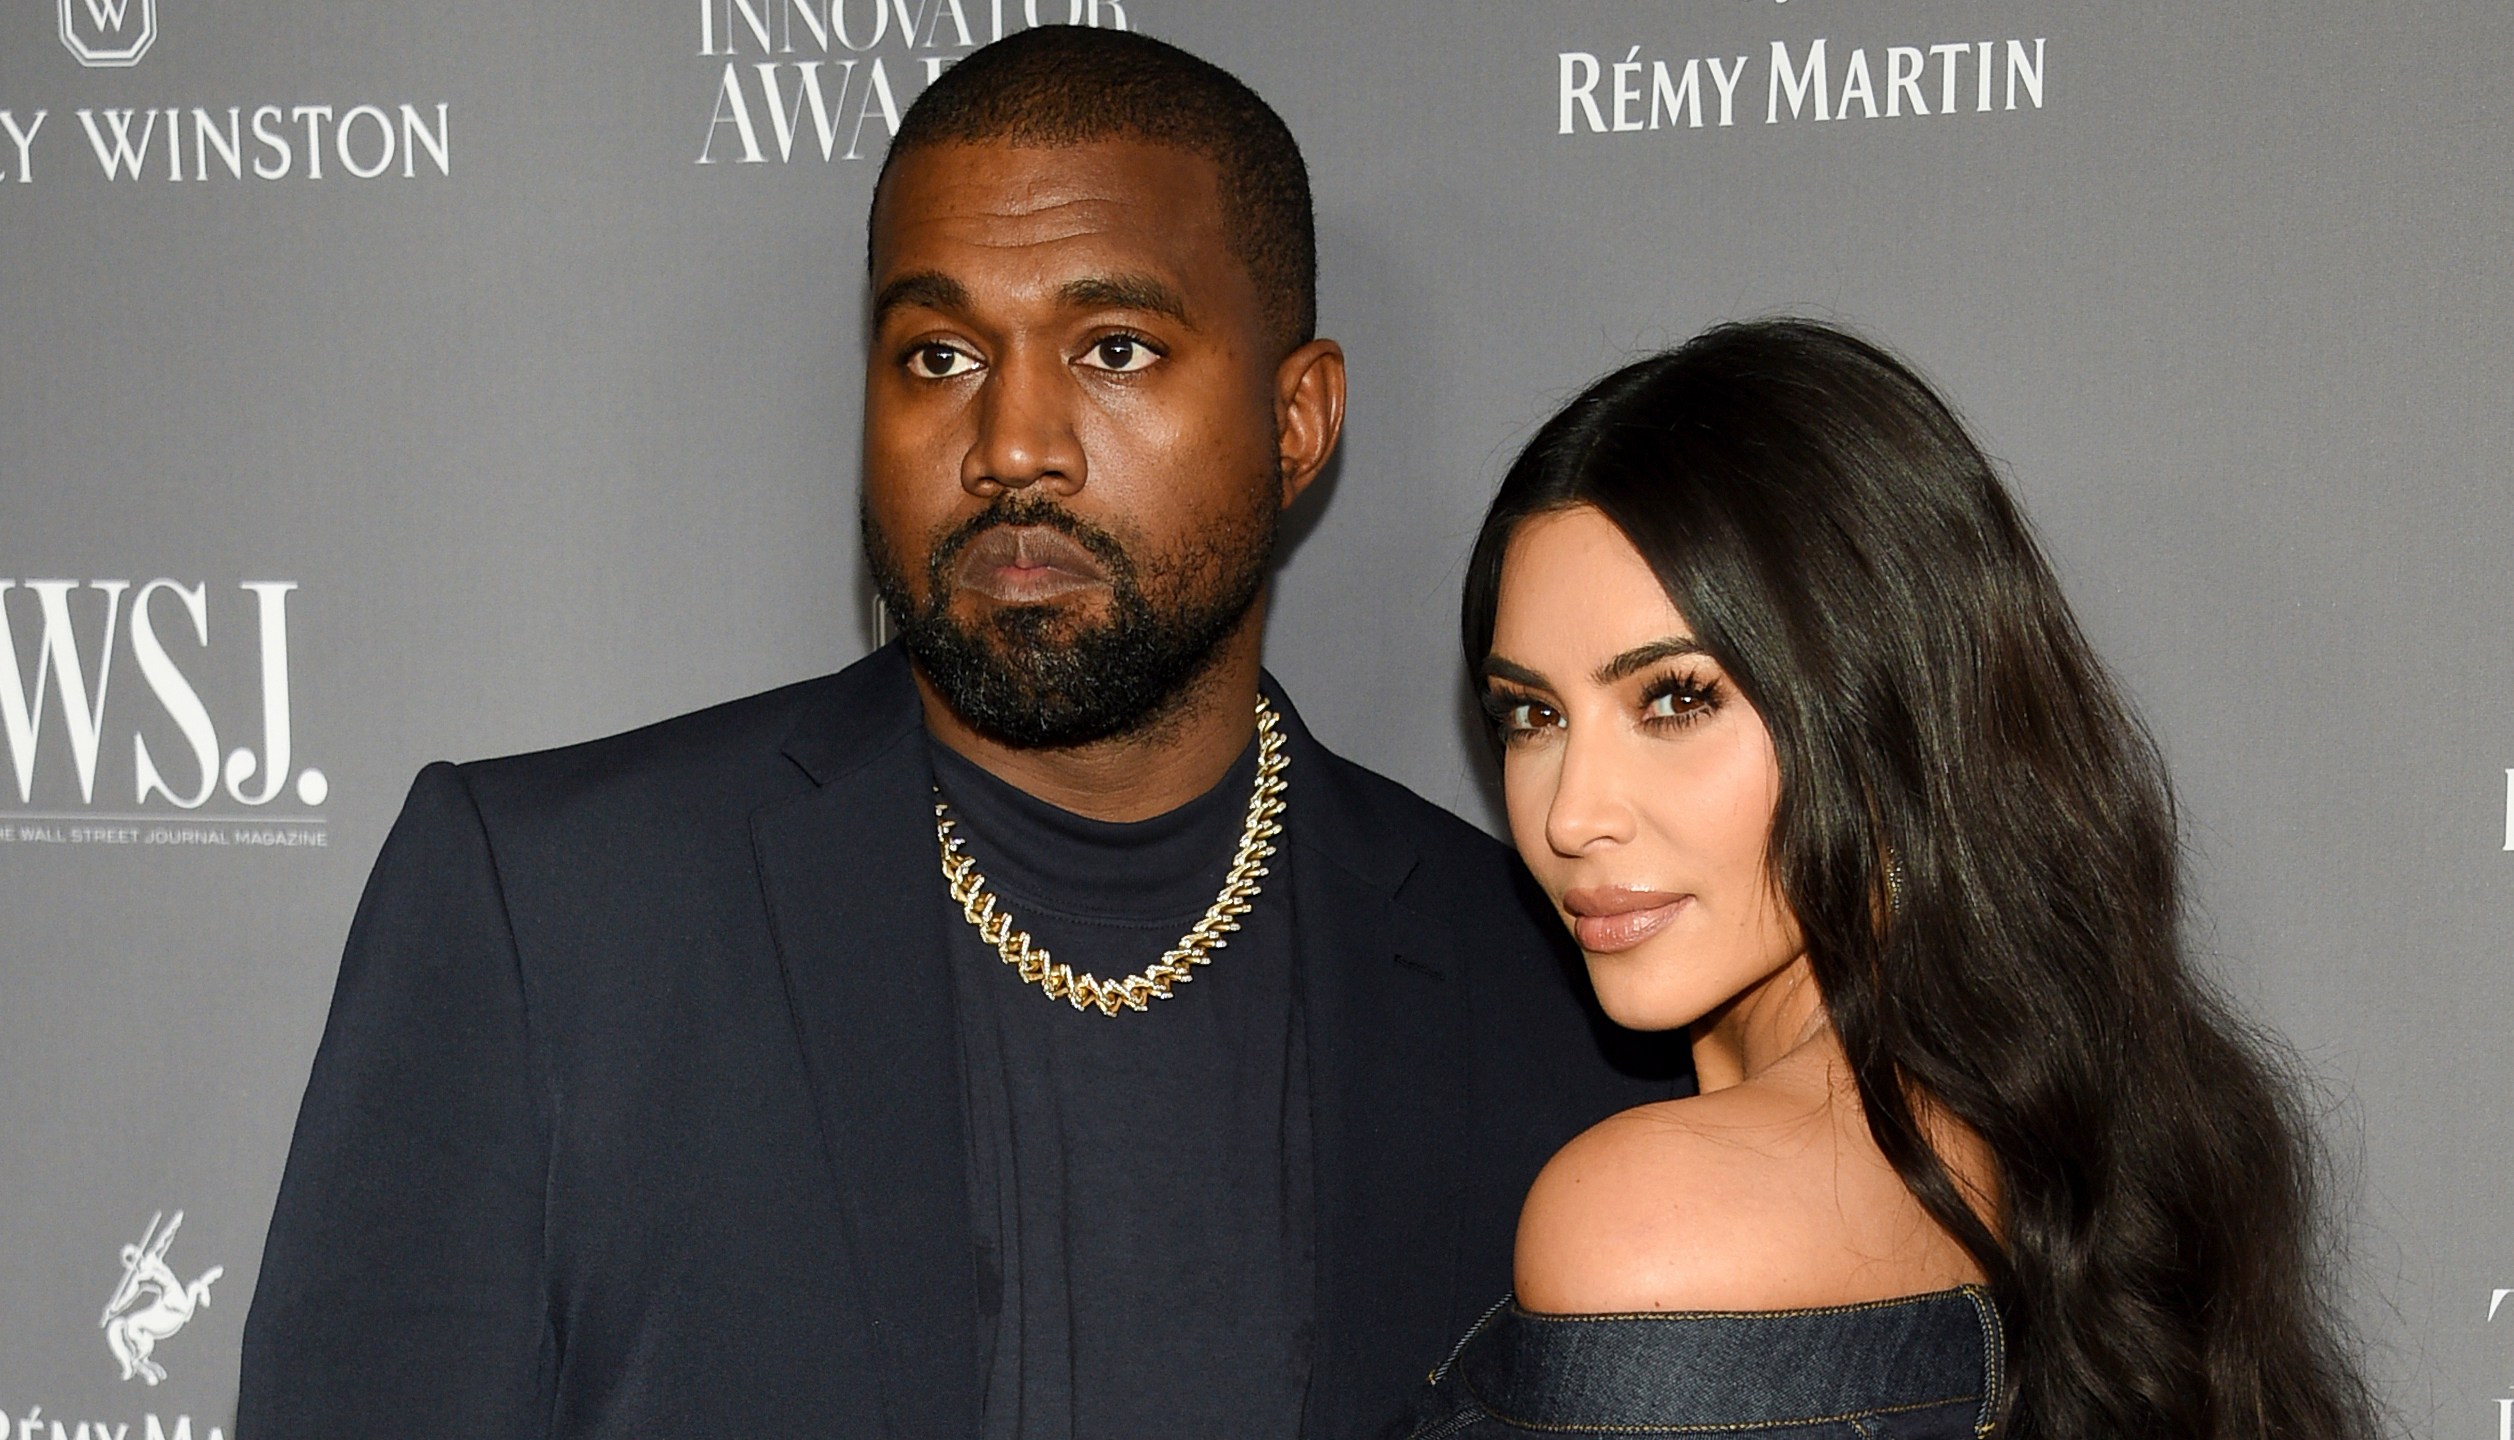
(1026, 564)
(1605, 919)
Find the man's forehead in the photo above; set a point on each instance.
(1122, 194)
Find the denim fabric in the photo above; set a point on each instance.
(1924, 1367)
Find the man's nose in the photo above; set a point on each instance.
(1026, 432)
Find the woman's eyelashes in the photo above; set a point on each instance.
(1516, 715)
(1670, 702)
(1680, 699)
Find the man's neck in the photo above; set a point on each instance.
(1135, 776)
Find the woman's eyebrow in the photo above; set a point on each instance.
(1642, 657)
(1496, 668)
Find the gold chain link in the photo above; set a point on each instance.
(1153, 982)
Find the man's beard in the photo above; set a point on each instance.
(1033, 676)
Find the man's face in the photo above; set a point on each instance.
(1071, 465)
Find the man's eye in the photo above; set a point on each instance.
(941, 362)
(1121, 353)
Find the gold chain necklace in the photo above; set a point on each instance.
(1195, 948)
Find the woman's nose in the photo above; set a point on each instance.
(1591, 806)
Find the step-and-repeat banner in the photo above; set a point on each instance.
(387, 382)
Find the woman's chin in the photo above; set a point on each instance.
(1644, 1012)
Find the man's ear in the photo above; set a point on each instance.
(1308, 413)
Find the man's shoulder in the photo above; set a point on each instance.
(724, 760)
(1455, 868)
(716, 744)
(1422, 822)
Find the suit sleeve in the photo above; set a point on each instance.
(403, 1285)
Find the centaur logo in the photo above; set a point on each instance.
(151, 1303)
(108, 33)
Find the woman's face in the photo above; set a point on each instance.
(1640, 782)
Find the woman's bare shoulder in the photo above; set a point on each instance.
(1752, 1198)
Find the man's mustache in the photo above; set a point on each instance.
(1023, 510)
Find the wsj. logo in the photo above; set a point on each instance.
(151, 1303)
(108, 33)
(158, 609)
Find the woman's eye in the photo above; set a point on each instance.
(1520, 718)
(1680, 702)
(1121, 353)
(941, 362)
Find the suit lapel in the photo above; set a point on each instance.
(848, 874)
(1386, 1035)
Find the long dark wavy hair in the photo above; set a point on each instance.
(1844, 550)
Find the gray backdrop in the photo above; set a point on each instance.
(542, 396)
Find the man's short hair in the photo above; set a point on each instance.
(1072, 84)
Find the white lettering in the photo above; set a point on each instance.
(732, 109)
(241, 763)
(1856, 85)
(1627, 89)
(272, 140)
(24, 140)
(782, 117)
(1582, 90)
(340, 142)
(2030, 72)
(1670, 95)
(1904, 67)
(314, 147)
(124, 155)
(756, 19)
(812, 21)
(881, 24)
(1945, 56)
(960, 22)
(1800, 84)
(57, 666)
(1725, 81)
(415, 136)
(876, 91)
(175, 693)
(205, 134)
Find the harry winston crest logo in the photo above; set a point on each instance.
(151, 1303)
(108, 33)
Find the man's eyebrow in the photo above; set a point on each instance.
(1126, 292)
(931, 289)
(1641, 657)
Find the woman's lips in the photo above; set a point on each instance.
(1607, 919)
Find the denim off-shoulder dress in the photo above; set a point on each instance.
(1922, 1367)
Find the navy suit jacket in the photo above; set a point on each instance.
(638, 1111)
